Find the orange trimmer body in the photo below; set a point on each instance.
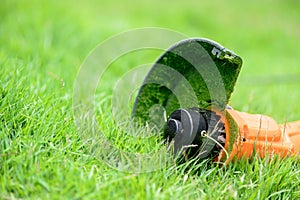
(254, 133)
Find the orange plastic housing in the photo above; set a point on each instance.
(248, 133)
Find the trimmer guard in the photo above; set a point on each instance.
(193, 73)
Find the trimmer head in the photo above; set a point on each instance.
(189, 130)
(195, 73)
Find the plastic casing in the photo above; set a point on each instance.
(254, 133)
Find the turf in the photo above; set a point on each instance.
(43, 44)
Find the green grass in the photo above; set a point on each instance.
(43, 44)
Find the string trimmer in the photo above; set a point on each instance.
(185, 96)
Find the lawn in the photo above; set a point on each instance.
(44, 43)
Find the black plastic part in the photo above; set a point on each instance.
(193, 73)
(187, 126)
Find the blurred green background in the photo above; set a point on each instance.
(43, 43)
(59, 35)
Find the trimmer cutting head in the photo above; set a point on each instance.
(196, 132)
(195, 73)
